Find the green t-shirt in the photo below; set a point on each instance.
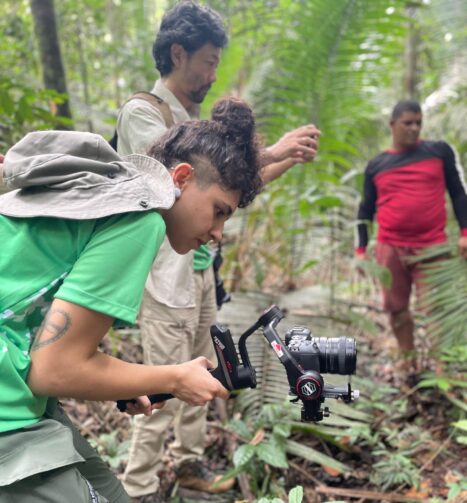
(99, 264)
(202, 258)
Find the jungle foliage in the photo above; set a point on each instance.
(341, 65)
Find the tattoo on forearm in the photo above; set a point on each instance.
(56, 323)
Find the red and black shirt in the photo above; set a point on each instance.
(406, 190)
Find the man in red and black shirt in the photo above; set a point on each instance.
(405, 186)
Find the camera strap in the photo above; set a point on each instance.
(153, 100)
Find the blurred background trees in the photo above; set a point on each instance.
(341, 65)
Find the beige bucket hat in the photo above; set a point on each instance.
(77, 175)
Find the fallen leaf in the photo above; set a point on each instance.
(258, 437)
(452, 477)
(422, 492)
(331, 471)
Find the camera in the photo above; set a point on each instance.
(303, 356)
(333, 355)
(315, 356)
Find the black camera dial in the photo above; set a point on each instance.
(309, 385)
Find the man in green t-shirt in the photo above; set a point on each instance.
(63, 285)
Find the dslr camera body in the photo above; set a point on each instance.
(315, 356)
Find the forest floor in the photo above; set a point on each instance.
(408, 453)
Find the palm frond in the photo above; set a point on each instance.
(445, 299)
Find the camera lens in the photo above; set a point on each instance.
(337, 355)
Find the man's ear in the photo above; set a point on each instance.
(182, 174)
(177, 54)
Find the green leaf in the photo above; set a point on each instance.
(441, 382)
(462, 424)
(7, 105)
(296, 495)
(310, 454)
(454, 491)
(281, 429)
(325, 201)
(243, 454)
(272, 453)
(240, 427)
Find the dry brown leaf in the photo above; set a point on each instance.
(422, 492)
(258, 437)
(331, 471)
(452, 477)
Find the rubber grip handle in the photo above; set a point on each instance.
(161, 397)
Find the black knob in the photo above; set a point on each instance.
(269, 315)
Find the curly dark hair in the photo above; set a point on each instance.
(190, 25)
(224, 150)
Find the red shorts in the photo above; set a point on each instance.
(404, 274)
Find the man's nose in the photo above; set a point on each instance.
(216, 233)
(213, 77)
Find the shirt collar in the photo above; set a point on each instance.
(179, 112)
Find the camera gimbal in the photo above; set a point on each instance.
(302, 356)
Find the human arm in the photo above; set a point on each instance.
(454, 176)
(105, 282)
(294, 147)
(2, 158)
(66, 362)
(365, 215)
(274, 170)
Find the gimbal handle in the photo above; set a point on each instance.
(232, 373)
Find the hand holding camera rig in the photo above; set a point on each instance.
(304, 358)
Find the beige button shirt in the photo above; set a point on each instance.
(171, 279)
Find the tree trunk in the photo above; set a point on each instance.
(45, 27)
(412, 78)
(81, 40)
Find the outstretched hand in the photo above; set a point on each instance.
(299, 145)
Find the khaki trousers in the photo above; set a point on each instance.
(171, 336)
